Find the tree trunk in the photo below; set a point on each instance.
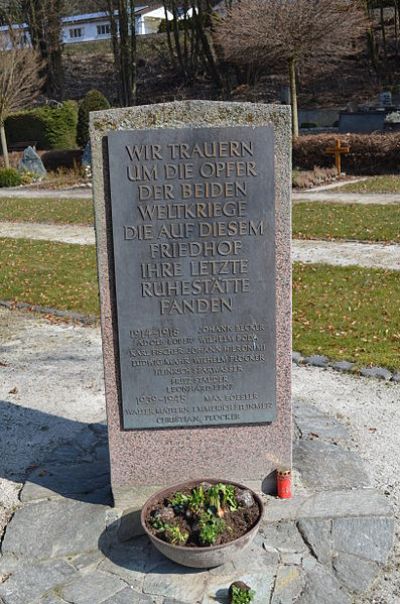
(198, 19)
(169, 40)
(383, 29)
(4, 145)
(293, 97)
(133, 67)
(44, 22)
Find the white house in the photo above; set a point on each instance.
(90, 27)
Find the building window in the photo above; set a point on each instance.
(76, 32)
(103, 30)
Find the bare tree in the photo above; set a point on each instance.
(189, 40)
(20, 83)
(292, 33)
(44, 19)
(121, 14)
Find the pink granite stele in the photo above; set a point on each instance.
(142, 461)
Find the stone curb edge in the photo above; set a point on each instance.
(313, 360)
(63, 314)
(319, 360)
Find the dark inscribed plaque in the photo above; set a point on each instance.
(194, 251)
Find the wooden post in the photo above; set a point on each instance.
(293, 97)
(337, 151)
(4, 145)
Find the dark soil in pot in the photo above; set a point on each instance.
(205, 515)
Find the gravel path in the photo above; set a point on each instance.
(337, 184)
(64, 233)
(28, 193)
(52, 385)
(336, 197)
(341, 253)
(347, 253)
(327, 194)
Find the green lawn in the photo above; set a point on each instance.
(313, 220)
(389, 183)
(344, 312)
(58, 275)
(347, 313)
(64, 211)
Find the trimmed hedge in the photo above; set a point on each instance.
(51, 127)
(369, 153)
(66, 159)
(92, 101)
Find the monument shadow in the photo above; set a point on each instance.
(53, 454)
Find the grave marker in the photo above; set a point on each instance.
(338, 150)
(193, 238)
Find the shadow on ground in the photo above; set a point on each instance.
(54, 455)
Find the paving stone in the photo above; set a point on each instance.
(69, 454)
(309, 563)
(30, 580)
(353, 572)
(317, 533)
(65, 480)
(8, 564)
(50, 599)
(321, 587)
(326, 466)
(376, 372)
(291, 558)
(396, 377)
(156, 558)
(87, 559)
(255, 559)
(332, 504)
(343, 366)
(91, 588)
(317, 360)
(284, 537)
(314, 424)
(49, 529)
(129, 562)
(226, 569)
(288, 586)
(102, 452)
(173, 581)
(217, 587)
(129, 596)
(369, 538)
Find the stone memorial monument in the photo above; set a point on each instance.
(192, 204)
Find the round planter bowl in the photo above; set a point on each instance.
(200, 557)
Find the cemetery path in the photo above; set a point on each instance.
(337, 197)
(51, 385)
(64, 233)
(347, 253)
(337, 184)
(369, 410)
(341, 253)
(29, 193)
(52, 399)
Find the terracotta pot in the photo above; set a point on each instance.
(200, 557)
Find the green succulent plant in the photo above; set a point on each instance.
(210, 528)
(241, 596)
(179, 500)
(175, 535)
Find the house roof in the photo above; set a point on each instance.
(70, 20)
(94, 16)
